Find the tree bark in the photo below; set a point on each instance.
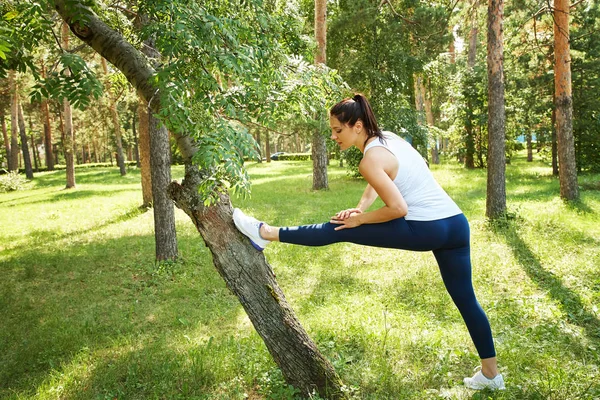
(251, 279)
(319, 144)
(5, 136)
(435, 157)
(469, 129)
(164, 213)
(554, 146)
(136, 146)
(116, 124)
(244, 270)
(13, 161)
(24, 146)
(68, 123)
(529, 147)
(567, 171)
(267, 146)
(145, 154)
(496, 183)
(47, 128)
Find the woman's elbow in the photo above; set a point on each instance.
(400, 211)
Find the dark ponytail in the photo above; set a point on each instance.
(350, 110)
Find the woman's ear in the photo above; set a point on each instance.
(358, 126)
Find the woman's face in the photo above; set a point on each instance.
(343, 134)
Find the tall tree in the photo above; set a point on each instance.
(112, 106)
(13, 161)
(496, 181)
(5, 136)
(244, 269)
(164, 211)
(567, 170)
(47, 126)
(319, 145)
(143, 130)
(471, 60)
(68, 140)
(24, 146)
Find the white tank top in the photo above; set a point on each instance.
(426, 199)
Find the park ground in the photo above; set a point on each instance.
(85, 313)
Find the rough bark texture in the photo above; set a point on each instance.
(5, 136)
(529, 148)
(13, 159)
(267, 146)
(164, 213)
(24, 146)
(244, 270)
(68, 139)
(496, 183)
(47, 129)
(251, 279)
(116, 125)
(319, 144)
(145, 154)
(136, 142)
(567, 171)
(469, 131)
(554, 145)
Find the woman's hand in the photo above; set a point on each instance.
(345, 214)
(347, 219)
(350, 222)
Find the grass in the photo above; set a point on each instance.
(86, 314)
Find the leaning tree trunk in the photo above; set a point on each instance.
(319, 144)
(24, 145)
(244, 270)
(567, 172)
(116, 123)
(251, 279)
(496, 182)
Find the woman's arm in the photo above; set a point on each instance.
(373, 168)
(367, 198)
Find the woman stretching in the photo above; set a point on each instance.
(418, 215)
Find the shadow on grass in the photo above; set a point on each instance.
(50, 235)
(98, 297)
(569, 301)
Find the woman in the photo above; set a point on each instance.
(418, 215)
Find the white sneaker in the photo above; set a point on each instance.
(479, 382)
(250, 227)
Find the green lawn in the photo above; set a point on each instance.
(86, 314)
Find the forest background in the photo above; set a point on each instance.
(220, 84)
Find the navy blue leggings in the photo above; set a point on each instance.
(448, 238)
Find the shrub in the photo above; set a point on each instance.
(295, 157)
(11, 181)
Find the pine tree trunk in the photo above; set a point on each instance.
(244, 270)
(136, 146)
(469, 128)
(24, 145)
(145, 154)
(496, 183)
(564, 102)
(435, 157)
(13, 161)
(529, 147)
(116, 125)
(47, 128)
(164, 214)
(319, 143)
(267, 146)
(5, 136)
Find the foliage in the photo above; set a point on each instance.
(11, 181)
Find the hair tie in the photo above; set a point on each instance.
(356, 97)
